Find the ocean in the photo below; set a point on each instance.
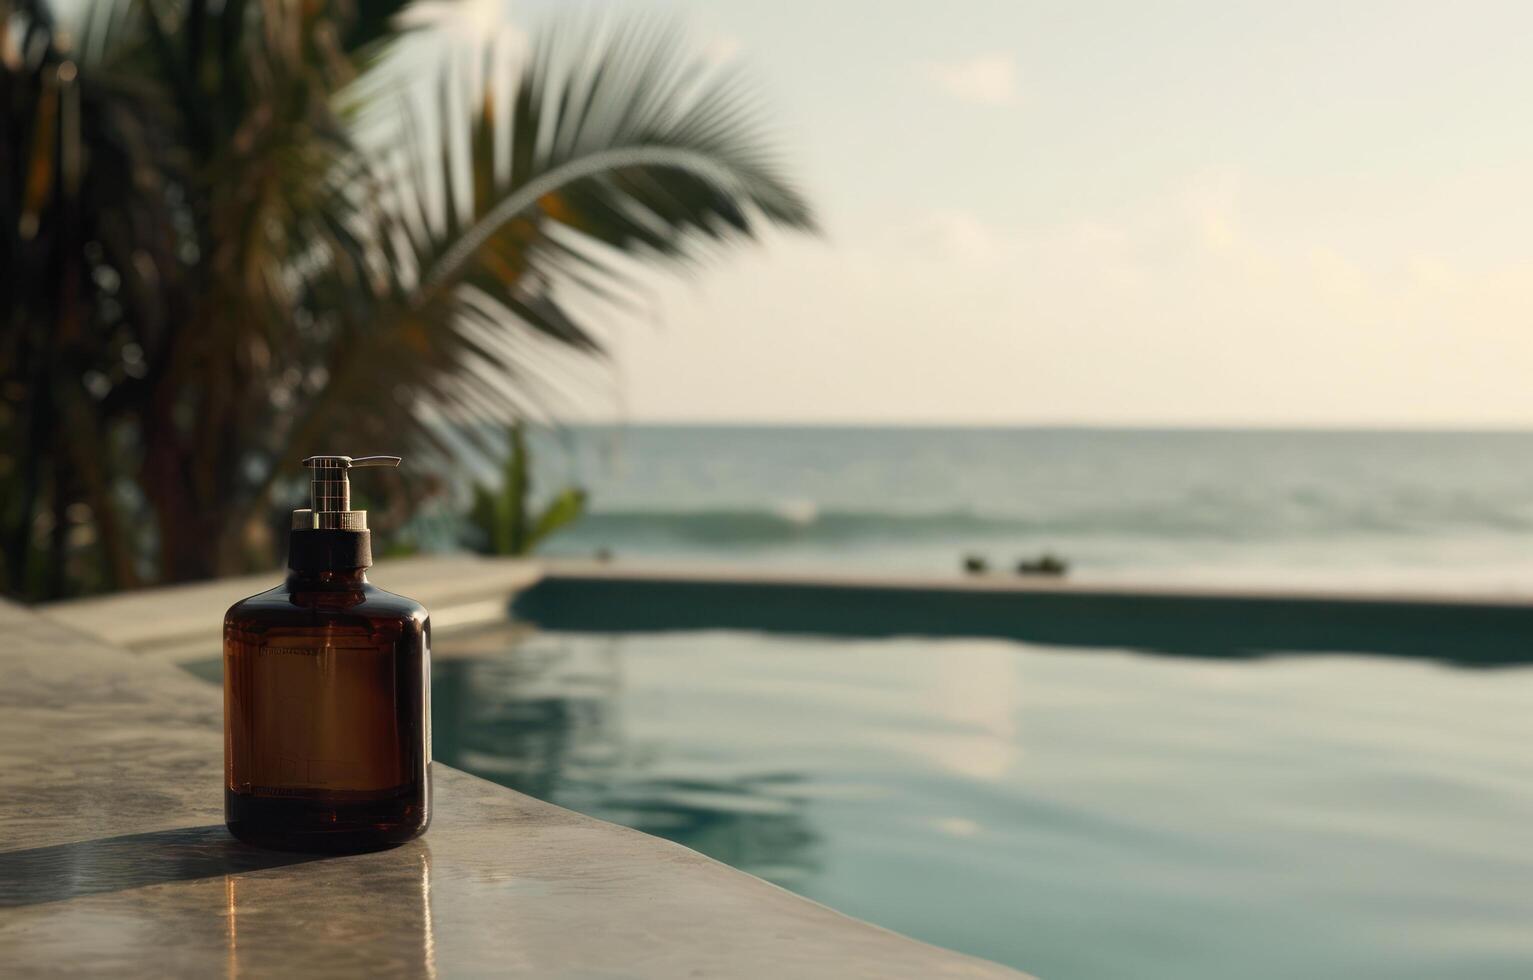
(1445, 511)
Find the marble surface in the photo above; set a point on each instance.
(114, 862)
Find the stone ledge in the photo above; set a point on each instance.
(116, 863)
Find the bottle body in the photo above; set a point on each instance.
(327, 715)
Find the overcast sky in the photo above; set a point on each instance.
(1203, 213)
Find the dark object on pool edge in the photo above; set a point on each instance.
(1047, 563)
(975, 564)
(326, 700)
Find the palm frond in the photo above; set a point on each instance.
(502, 232)
(373, 23)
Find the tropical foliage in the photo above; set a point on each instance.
(228, 241)
(503, 521)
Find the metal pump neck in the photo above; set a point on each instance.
(330, 493)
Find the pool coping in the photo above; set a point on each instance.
(1461, 630)
(999, 583)
(115, 861)
(184, 622)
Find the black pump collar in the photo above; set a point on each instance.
(328, 550)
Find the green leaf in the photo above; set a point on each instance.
(514, 495)
(565, 509)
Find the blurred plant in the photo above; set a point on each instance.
(224, 246)
(503, 519)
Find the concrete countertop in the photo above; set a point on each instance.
(114, 861)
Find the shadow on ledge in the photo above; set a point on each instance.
(112, 864)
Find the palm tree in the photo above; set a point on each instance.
(226, 246)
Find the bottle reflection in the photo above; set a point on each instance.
(348, 935)
(428, 929)
(544, 716)
(232, 925)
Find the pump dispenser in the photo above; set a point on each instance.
(327, 687)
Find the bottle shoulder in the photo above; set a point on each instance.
(272, 600)
(285, 604)
(386, 602)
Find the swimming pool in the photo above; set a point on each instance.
(1076, 813)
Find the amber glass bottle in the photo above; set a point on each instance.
(327, 728)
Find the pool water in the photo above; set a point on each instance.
(1073, 813)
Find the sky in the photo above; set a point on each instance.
(1219, 213)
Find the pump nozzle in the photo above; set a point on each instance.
(330, 493)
